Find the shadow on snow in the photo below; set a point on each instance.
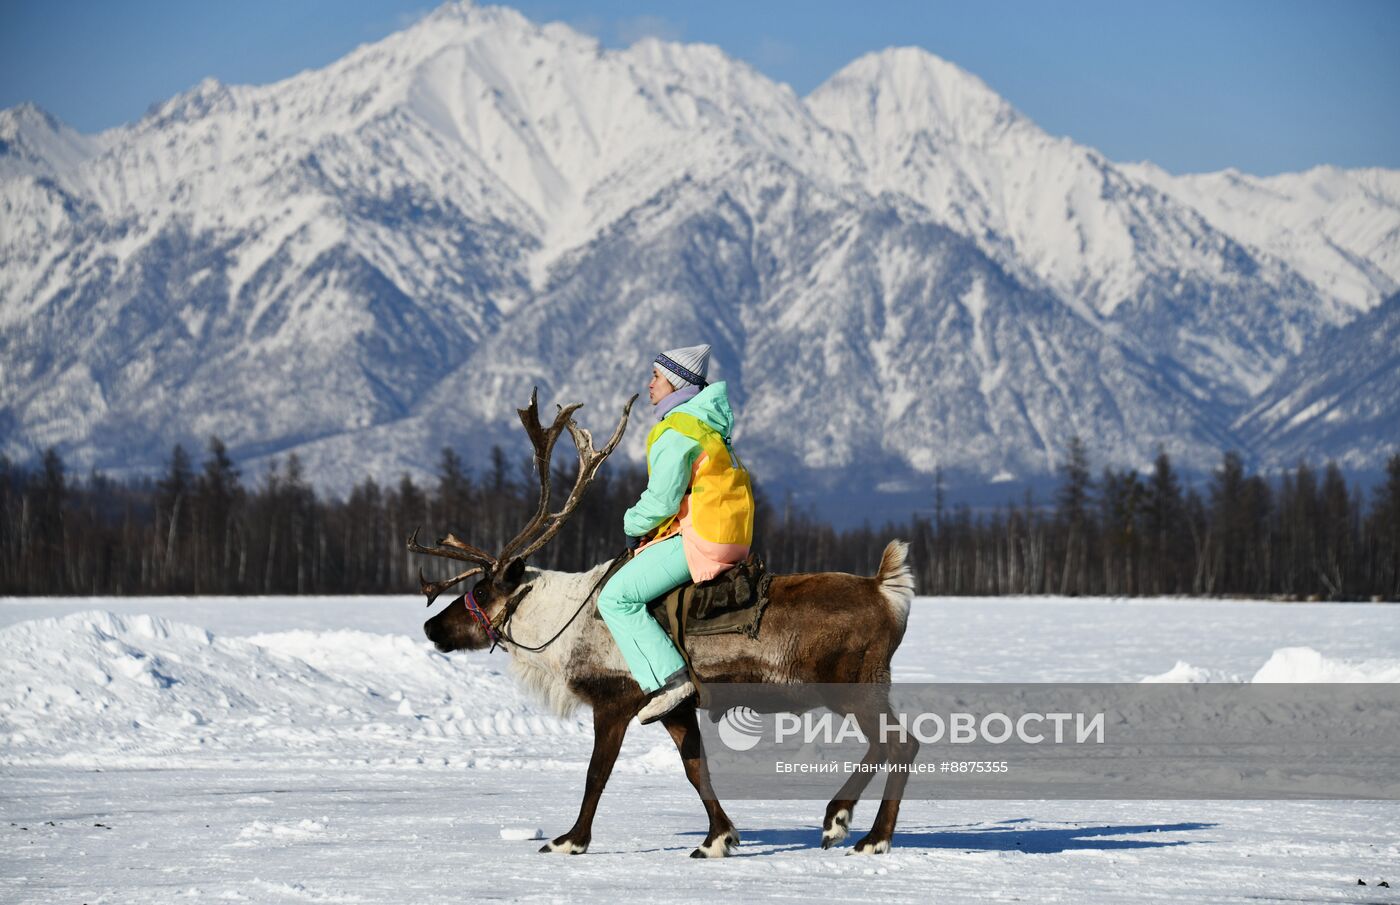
(1005, 836)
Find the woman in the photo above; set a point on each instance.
(696, 515)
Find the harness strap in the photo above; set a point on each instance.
(678, 605)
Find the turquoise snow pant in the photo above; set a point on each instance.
(623, 604)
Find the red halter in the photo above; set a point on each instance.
(475, 609)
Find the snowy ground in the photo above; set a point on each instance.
(316, 750)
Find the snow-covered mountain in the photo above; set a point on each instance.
(1062, 214)
(1338, 400)
(900, 272)
(34, 143)
(1339, 228)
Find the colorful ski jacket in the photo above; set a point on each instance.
(697, 486)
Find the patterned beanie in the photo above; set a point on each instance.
(686, 366)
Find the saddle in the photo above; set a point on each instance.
(730, 603)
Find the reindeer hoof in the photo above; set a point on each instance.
(868, 846)
(839, 829)
(564, 846)
(721, 847)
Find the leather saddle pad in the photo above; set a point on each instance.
(730, 602)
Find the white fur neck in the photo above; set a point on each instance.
(552, 601)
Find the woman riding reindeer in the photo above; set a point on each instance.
(693, 521)
(829, 628)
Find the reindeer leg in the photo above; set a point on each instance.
(609, 727)
(902, 751)
(723, 838)
(836, 824)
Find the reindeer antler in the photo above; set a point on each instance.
(543, 525)
(588, 461)
(451, 548)
(543, 441)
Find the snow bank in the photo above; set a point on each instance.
(1291, 664)
(97, 685)
(1303, 664)
(99, 689)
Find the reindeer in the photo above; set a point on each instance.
(826, 627)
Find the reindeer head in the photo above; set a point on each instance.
(464, 622)
(462, 625)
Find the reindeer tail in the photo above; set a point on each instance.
(895, 579)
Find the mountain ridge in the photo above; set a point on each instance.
(369, 260)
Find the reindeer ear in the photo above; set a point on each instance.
(510, 578)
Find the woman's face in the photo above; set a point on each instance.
(660, 387)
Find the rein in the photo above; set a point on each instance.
(499, 634)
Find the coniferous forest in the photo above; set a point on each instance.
(201, 528)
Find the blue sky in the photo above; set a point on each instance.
(1265, 87)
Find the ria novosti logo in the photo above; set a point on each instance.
(741, 729)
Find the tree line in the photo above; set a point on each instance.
(200, 529)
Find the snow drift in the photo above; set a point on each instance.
(1291, 664)
(95, 684)
(98, 687)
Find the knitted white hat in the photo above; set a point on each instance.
(685, 367)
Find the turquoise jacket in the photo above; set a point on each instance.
(673, 456)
